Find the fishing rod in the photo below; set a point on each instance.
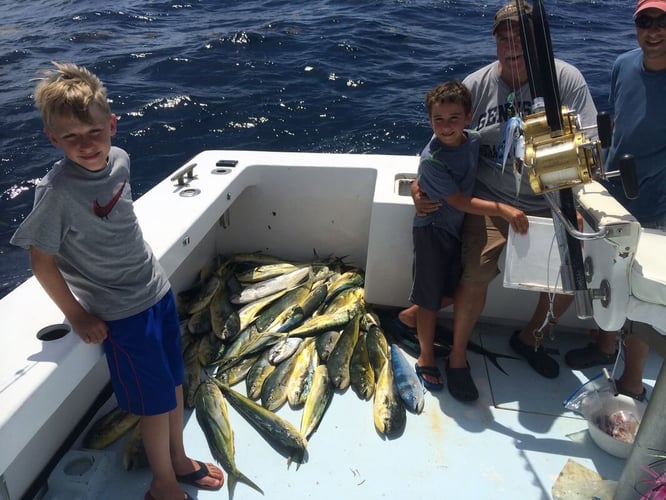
(558, 155)
(552, 152)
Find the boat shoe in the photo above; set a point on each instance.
(588, 356)
(460, 383)
(638, 397)
(540, 362)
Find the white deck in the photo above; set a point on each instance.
(510, 444)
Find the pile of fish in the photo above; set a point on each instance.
(293, 333)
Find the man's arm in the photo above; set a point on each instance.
(90, 328)
(422, 203)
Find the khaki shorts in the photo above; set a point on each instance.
(483, 239)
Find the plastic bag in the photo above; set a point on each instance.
(591, 397)
(596, 400)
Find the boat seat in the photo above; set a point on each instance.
(624, 266)
(647, 302)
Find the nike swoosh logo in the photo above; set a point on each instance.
(103, 211)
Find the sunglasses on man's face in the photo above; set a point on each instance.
(646, 22)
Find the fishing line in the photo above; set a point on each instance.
(524, 25)
(515, 76)
(549, 59)
(550, 319)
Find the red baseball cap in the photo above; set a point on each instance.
(650, 4)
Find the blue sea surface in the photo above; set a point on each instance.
(301, 75)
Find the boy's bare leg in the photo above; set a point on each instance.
(155, 434)
(182, 464)
(408, 315)
(425, 329)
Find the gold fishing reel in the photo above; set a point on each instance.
(559, 160)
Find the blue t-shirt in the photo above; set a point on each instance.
(640, 129)
(443, 171)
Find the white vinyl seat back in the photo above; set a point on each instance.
(647, 281)
(609, 260)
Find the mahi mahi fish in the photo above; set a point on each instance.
(406, 381)
(388, 409)
(267, 287)
(340, 358)
(317, 401)
(260, 370)
(361, 372)
(278, 432)
(134, 454)
(109, 428)
(300, 380)
(211, 412)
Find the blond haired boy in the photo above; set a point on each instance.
(88, 252)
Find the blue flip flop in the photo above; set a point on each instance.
(433, 371)
(403, 328)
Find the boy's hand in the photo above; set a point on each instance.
(90, 328)
(422, 203)
(515, 217)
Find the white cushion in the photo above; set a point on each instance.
(648, 271)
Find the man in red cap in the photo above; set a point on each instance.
(638, 80)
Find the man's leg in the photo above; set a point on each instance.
(560, 304)
(524, 341)
(469, 301)
(601, 351)
(482, 243)
(631, 380)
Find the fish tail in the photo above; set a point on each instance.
(493, 359)
(240, 477)
(494, 356)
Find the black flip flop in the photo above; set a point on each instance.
(193, 477)
(432, 371)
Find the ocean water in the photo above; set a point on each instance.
(299, 75)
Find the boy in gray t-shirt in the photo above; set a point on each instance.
(88, 252)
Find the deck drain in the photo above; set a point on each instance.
(52, 332)
(220, 171)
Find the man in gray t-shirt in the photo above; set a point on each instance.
(500, 90)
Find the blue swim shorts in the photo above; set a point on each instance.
(145, 358)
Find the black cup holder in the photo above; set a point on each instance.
(52, 332)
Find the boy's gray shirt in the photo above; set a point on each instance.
(443, 171)
(491, 105)
(87, 220)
